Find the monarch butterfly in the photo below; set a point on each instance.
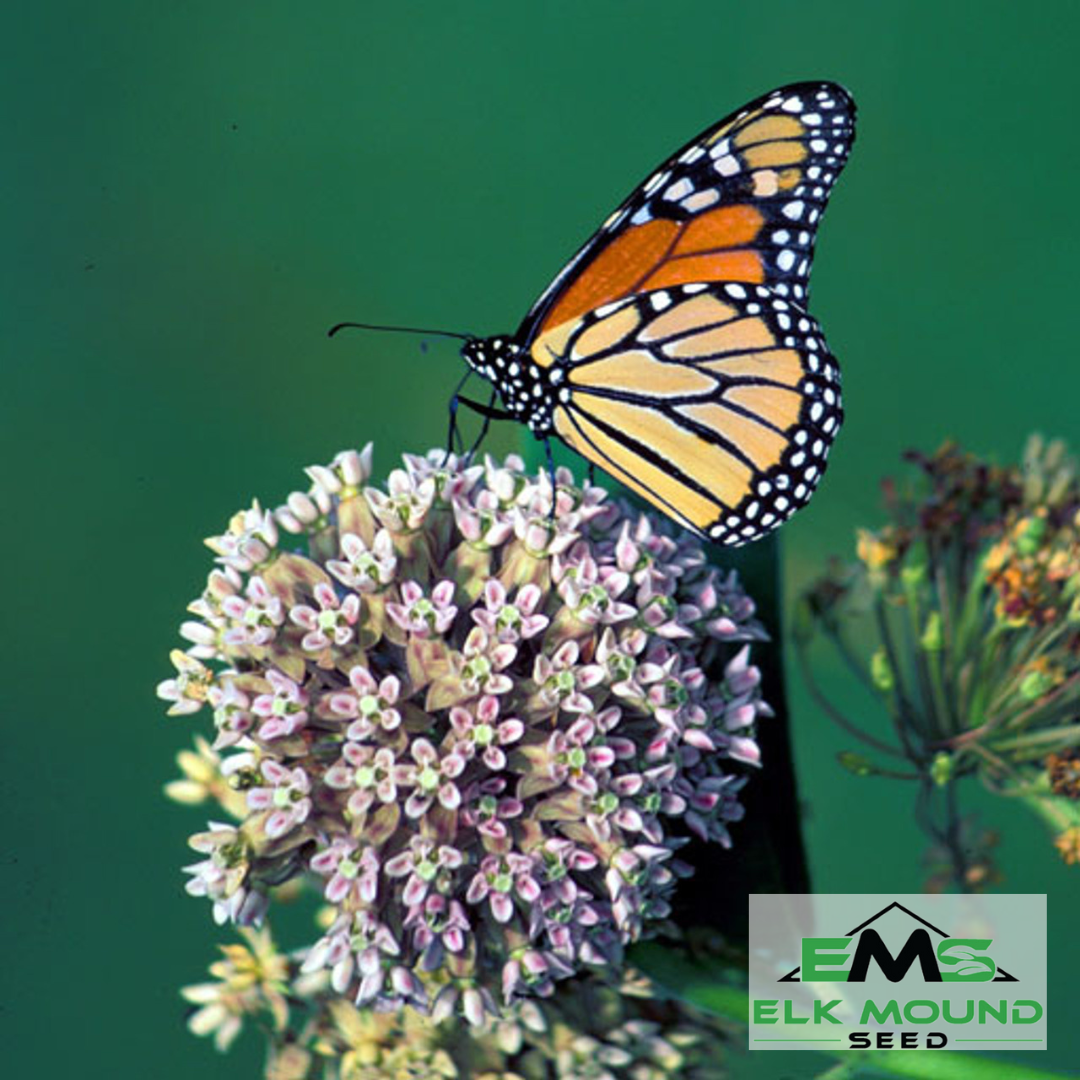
(674, 350)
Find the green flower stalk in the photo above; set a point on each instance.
(471, 711)
(962, 617)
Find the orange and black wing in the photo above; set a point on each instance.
(740, 203)
(716, 402)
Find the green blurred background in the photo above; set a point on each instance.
(196, 192)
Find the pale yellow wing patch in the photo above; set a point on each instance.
(683, 450)
(763, 445)
(655, 485)
(774, 155)
(778, 365)
(606, 333)
(638, 368)
(769, 127)
(687, 316)
(735, 336)
(779, 404)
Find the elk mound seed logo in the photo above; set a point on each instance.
(919, 972)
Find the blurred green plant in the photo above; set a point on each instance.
(961, 616)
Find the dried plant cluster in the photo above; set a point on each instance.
(962, 615)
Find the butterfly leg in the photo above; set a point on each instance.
(554, 485)
(489, 412)
(483, 429)
(452, 433)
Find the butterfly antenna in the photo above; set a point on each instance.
(399, 330)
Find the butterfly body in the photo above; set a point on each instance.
(528, 391)
(675, 350)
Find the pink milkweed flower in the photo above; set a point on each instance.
(488, 737)
(479, 732)
(222, 876)
(369, 704)
(370, 774)
(740, 675)
(421, 616)
(286, 795)
(251, 540)
(404, 506)
(439, 925)
(562, 682)
(432, 778)
(510, 622)
(483, 522)
(347, 473)
(356, 944)
(454, 477)
(351, 869)
(191, 686)
(332, 624)
(482, 663)
(589, 590)
(254, 617)
(423, 862)
(486, 808)
(284, 710)
(576, 756)
(498, 879)
(365, 569)
(232, 712)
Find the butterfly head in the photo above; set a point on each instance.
(528, 391)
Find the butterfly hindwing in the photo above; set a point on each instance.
(716, 402)
(740, 203)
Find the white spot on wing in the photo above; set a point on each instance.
(679, 190)
(609, 309)
(656, 181)
(700, 200)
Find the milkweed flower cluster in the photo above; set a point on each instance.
(968, 599)
(605, 1027)
(481, 714)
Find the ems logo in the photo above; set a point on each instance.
(924, 972)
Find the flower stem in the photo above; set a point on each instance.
(832, 712)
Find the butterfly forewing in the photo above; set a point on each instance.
(717, 403)
(739, 203)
